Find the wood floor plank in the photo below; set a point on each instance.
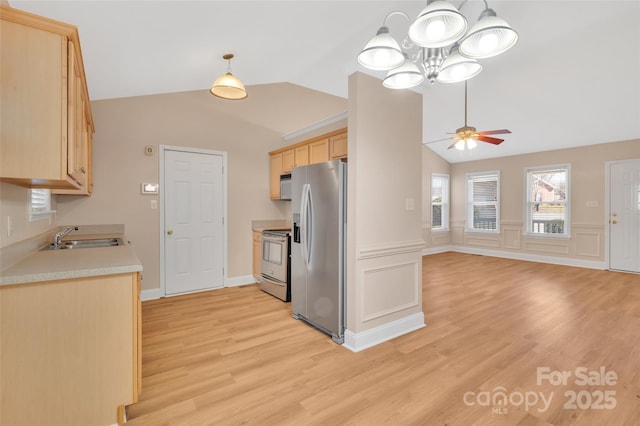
(236, 356)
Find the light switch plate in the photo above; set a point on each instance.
(149, 188)
(410, 204)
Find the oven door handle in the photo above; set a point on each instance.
(274, 239)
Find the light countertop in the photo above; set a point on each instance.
(49, 265)
(273, 225)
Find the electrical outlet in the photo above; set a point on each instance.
(154, 204)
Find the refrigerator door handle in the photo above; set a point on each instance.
(304, 224)
(309, 229)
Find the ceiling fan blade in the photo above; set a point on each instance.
(495, 132)
(494, 141)
(453, 144)
(437, 140)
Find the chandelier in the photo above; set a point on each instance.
(439, 42)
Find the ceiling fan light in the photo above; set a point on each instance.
(405, 76)
(457, 68)
(439, 24)
(460, 145)
(382, 53)
(471, 143)
(490, 36)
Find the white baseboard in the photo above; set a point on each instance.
(437, 249)
(359, 341)
(151, 294)
(238, 281)
(154, 293)
(565, 261)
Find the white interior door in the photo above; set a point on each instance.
(193, 221)
(624, 216)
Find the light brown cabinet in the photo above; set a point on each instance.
(338, 146)
(319, 151)
(275, 170)
(257, 254)
(302, 155)
(295, 157)
(79, 156)
(46, 115)
(70, 343)
(288, 160)
(327, 147)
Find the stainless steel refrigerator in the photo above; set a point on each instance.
(319, 210)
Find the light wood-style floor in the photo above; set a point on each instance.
(235, 356)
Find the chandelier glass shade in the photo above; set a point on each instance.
(440, 42)
(405, 76)
(439, 24)
(382, 52)
(228, 86)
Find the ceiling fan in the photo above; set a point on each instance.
(466, 136)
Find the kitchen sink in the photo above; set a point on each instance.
(78, 244)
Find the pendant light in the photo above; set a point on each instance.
(228, 86)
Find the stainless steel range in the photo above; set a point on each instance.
(275, 269)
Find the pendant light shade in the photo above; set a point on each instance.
(457, 68)
(490, 36)
(228, 86)
(439, 24)
(382, 53)
(405, 76)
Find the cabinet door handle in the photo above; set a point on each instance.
(82, 169)
(170, 231)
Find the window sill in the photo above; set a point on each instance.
(544, 235)
(33, 217)
(438, 230)
(481, 231)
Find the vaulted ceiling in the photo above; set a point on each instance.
(573, 78)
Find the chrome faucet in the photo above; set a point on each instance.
(60, 235)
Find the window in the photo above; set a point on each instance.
(40, 204)
(483, 202)
(439, 202)
(547, 201)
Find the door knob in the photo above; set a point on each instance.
(170, 231)
(614, 221)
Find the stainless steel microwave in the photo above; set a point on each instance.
(285, 187)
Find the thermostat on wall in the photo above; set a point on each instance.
(149, 188)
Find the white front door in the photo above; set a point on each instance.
(193, 221)
(624, 215)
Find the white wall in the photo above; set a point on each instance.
(384, 283)
(247, 130)
(585, 247)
